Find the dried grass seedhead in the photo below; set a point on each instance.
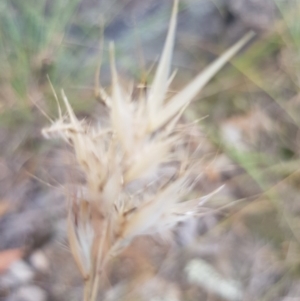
(136, 166)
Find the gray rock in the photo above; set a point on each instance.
(21, 271)
(28, 293)
(31, 228)
(39, 261)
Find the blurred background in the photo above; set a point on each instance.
(247, 244)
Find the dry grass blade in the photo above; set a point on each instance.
(148, 160)
(151, 211)
(161, 80)
(120, 115)
(186, 95)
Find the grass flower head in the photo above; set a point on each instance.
(136, 165)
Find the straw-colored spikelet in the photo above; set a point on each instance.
(136, 165)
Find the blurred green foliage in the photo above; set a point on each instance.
(33, 46)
